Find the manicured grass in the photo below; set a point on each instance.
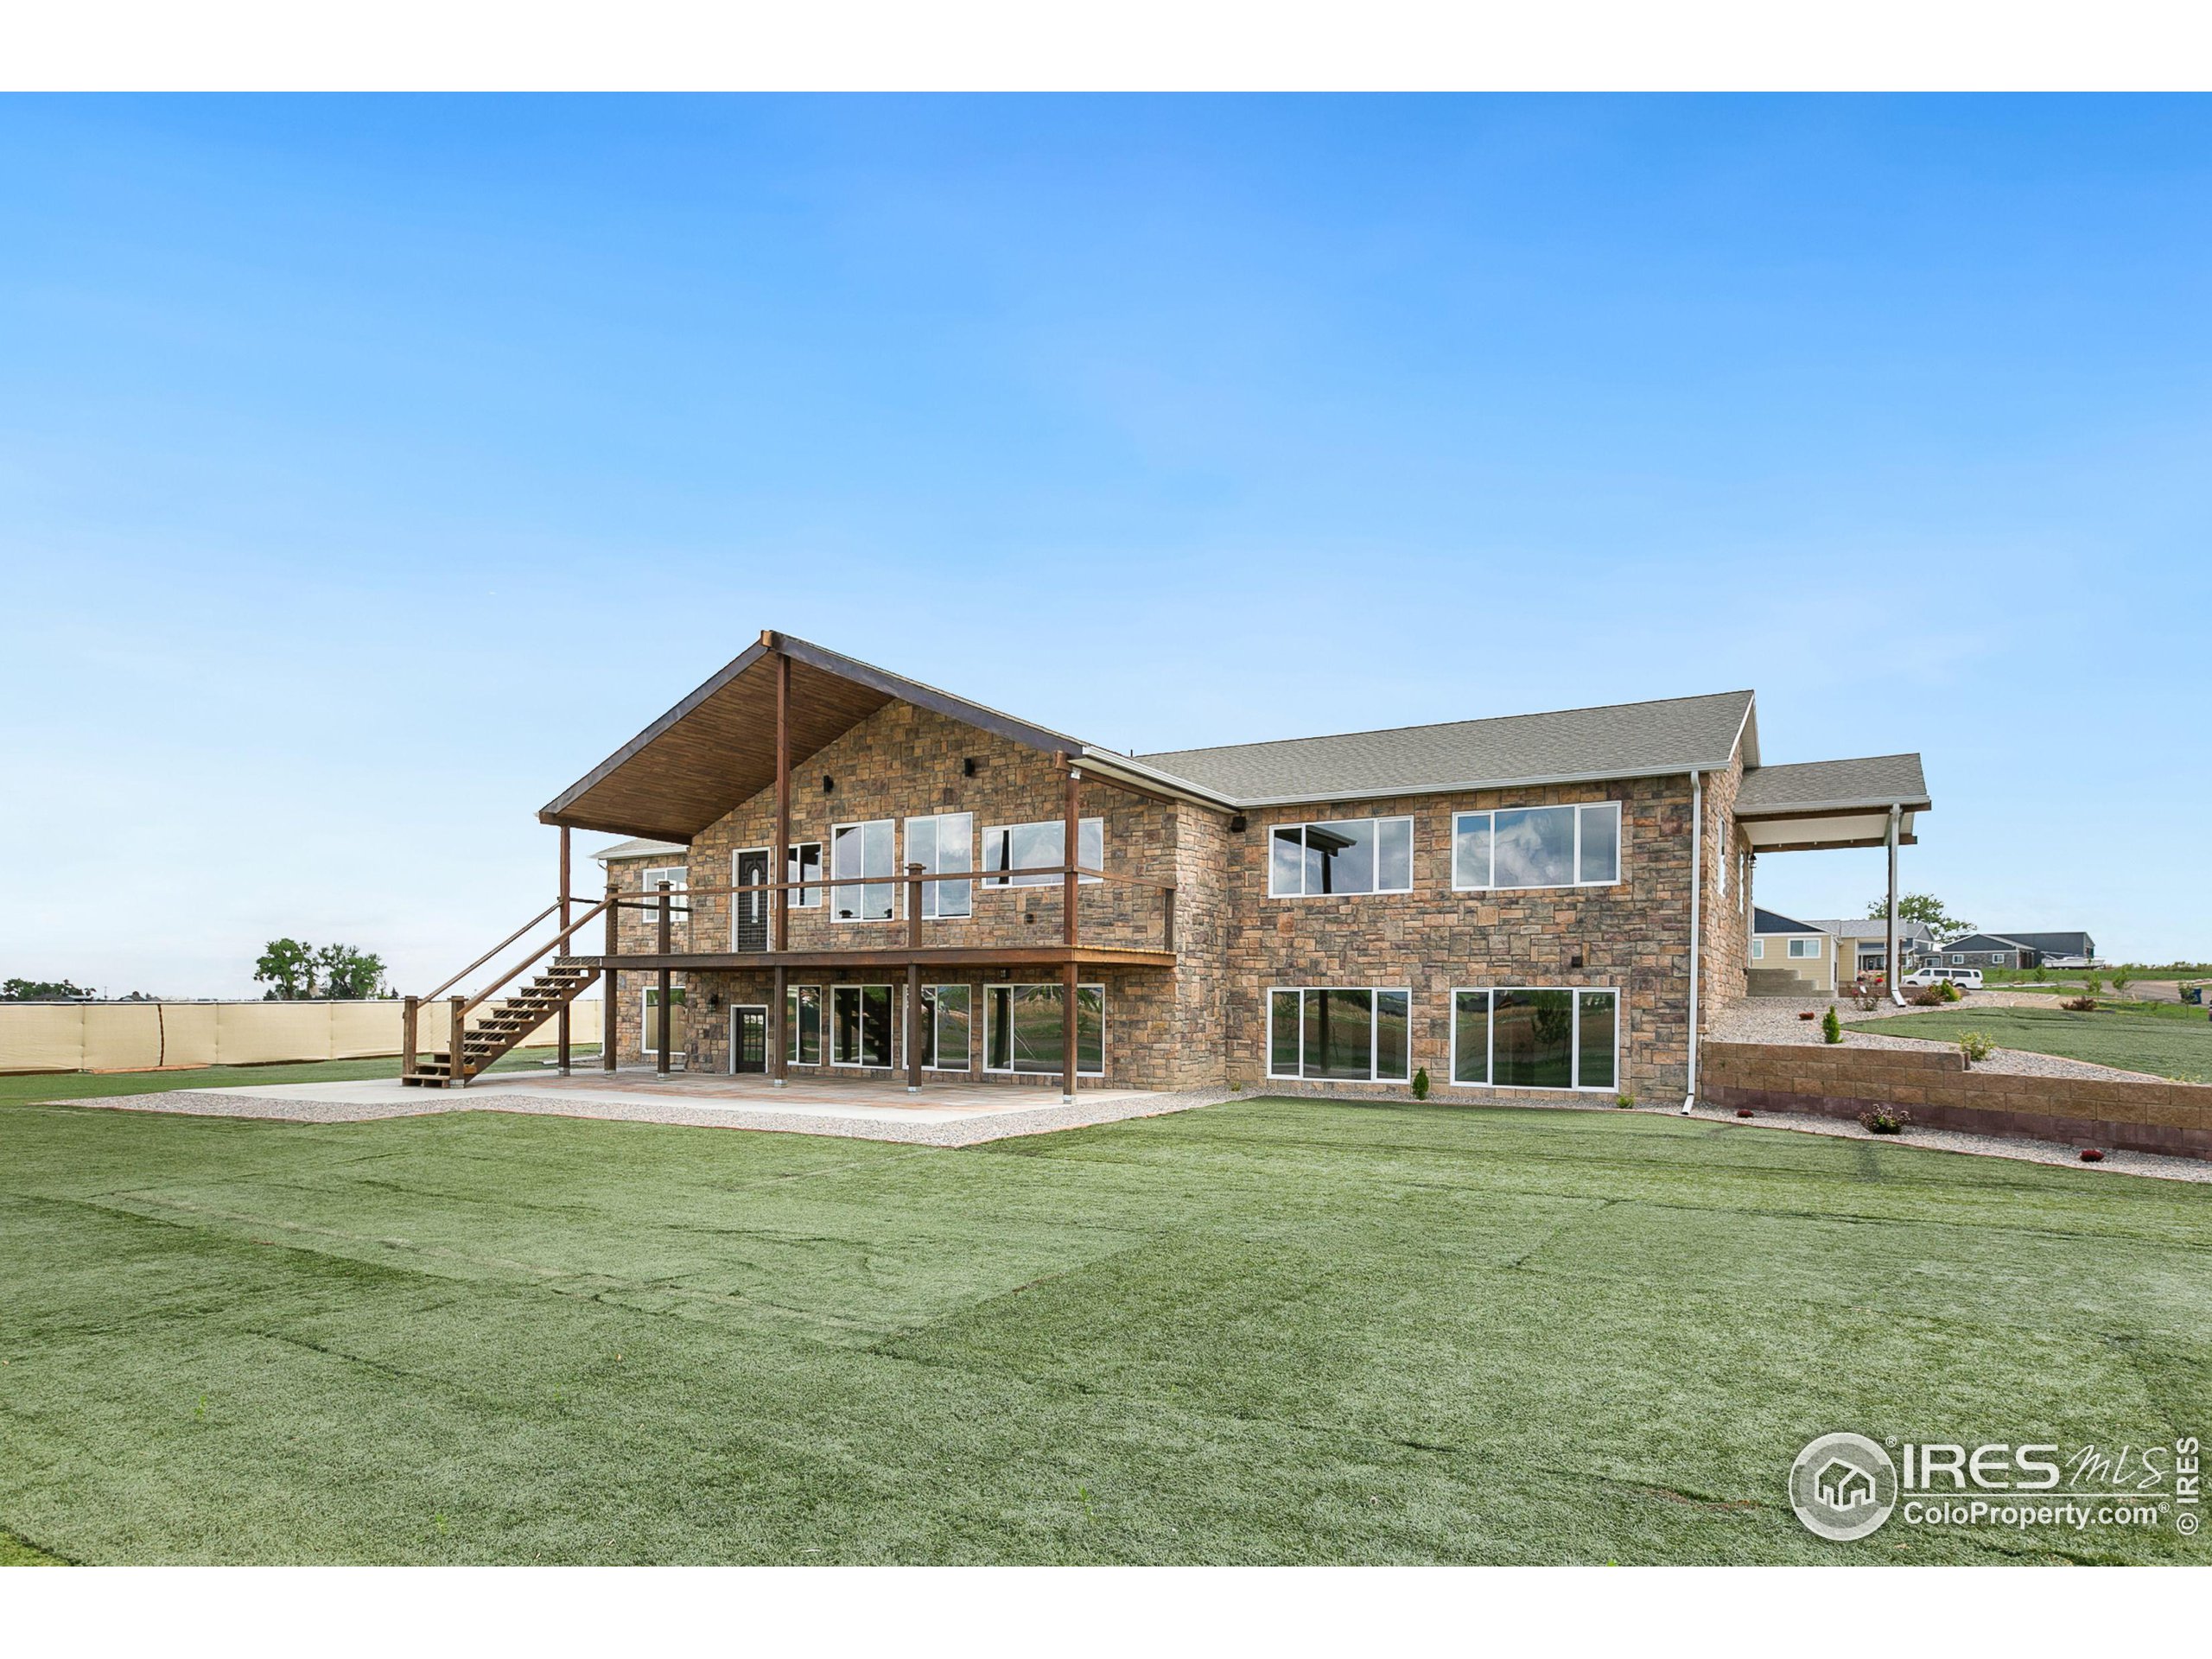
(88, 1085)
(1269, 1330)
(2169, 1040)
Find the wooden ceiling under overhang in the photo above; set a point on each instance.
(716, 749)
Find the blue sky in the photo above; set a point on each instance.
(370, 468)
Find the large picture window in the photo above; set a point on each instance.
(860, 1025)
(1022, 1029)
(1537, 847)
(1352, 1034)
(803, 1024)
(1042, 846)
(1526, 1037)
(941, 845)
(945, 1023)
(867, 850)
(1342, 856)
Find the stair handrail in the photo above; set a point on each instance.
(434, 995)
(555, 943)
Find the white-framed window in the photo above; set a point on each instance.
(678, 877)
(942, 845)
(1958, 959)
(1759, 950)
(1359, 1034)
(1531, 1037)
(1305, 860)
(1537, 847)
(803, 1024)
(1801, 948)
(947, 1019)
(860, 1025)
(1042, 846)
(868, 851)
(803, 862)
(649, 1019)
(1023, 1029)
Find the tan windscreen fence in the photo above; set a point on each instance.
(148, 1036)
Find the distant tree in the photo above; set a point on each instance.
(350, 973)
(287, 967)
(42, 990)
(1923, 907)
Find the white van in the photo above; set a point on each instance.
(1967, 979)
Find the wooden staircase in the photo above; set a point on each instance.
(511, 1019)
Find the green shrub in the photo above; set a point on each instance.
(2121, 979)
(1949, 992)
(2091, 984)
(1886, 1120)
(1421, 1083)
(1831, 1028)
(1975, 1047)
(1624, 1099)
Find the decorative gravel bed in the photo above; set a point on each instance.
(1776, 1020)
(2116, 1161)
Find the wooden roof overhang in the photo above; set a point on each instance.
(887, 956)
(716, 749)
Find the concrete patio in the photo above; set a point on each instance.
(946, 1113)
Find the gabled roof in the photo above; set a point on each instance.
(2052, 945)
(1771, 921)
(1874, 927)
(1622, 740)
(639, 849)
(1986, 942)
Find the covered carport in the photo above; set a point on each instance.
(1817, 805)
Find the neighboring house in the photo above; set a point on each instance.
(2005, 950)
(1781, 945)
(1554, 902)
(1862, 945)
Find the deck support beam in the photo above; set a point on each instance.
(660, 1036)
(560, 1024)
(779, 868)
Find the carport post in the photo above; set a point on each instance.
(1067, 1035)
(1897, 992)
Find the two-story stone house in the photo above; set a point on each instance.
(1547, 904)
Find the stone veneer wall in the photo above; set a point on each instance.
(1940, 1092)
(1204, 1023)
(1633, 936)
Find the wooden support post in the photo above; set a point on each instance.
(565, 948)
(1168, 905)
(457, 1029)
(410, 1014)
(914, 908)
(660, 1059)
(913, 1029)
(780, 1034)
(1072, 842)
(1067, 1034)
(610, 1054)
(780, 859)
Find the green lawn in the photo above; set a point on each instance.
(1270, 1331)
(88, 1086)
(2168, 1039)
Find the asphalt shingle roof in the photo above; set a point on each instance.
(1622, 740)
(1874, 780)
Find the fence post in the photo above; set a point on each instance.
(410, 1011)
(456, 1068)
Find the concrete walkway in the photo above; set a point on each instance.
(948, 1114)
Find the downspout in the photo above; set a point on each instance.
(1697, 887)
